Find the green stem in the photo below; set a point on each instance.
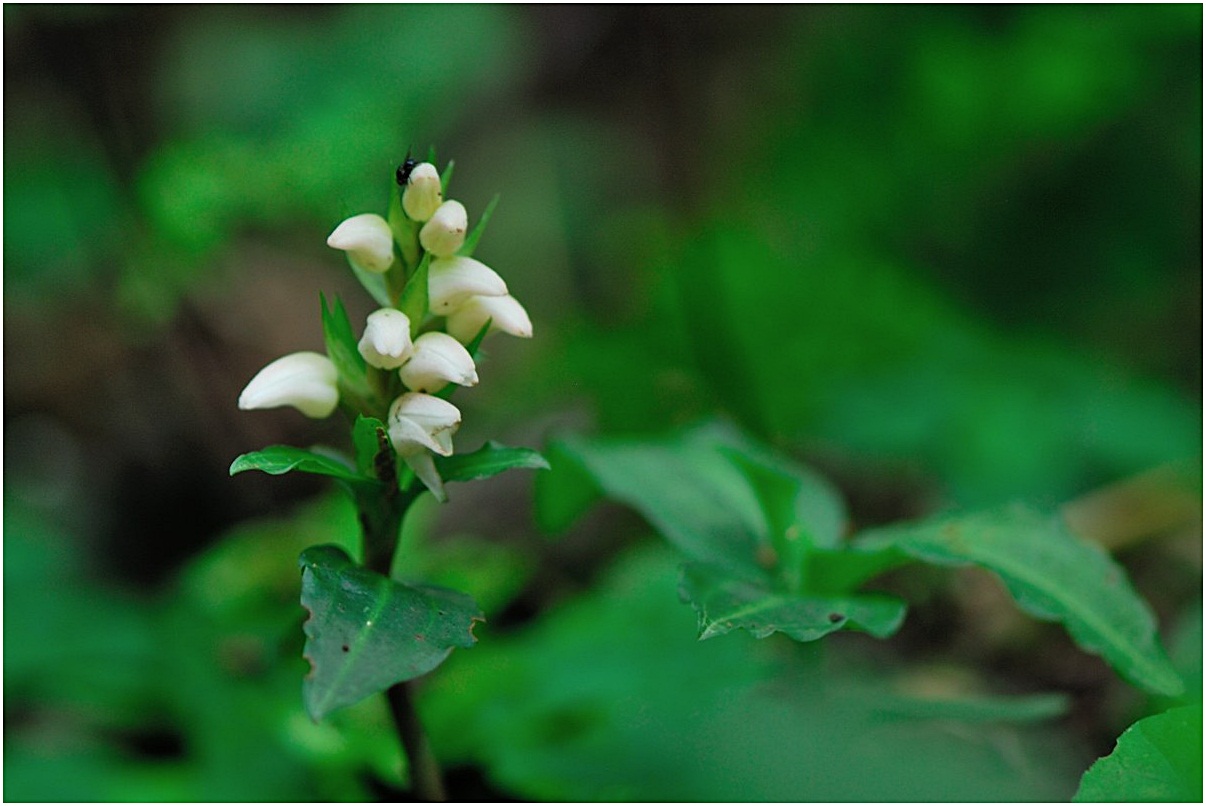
(381, 518)
(425, 778)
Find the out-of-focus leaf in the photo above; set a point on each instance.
(584, 704)
(725, 603)
(1159, 758)
(1053, 575)
(367, 632)
(686, 489)
(489, 460)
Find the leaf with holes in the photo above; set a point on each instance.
(366, 632)
(1051, 574)
(725, 603)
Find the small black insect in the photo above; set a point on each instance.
(403, 172)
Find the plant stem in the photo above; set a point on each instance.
(425, 776)
(381, 518)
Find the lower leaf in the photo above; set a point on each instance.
(367, 632)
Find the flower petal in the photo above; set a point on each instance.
(305, 381)
(452, 281)
(437, 360)
(368, 241)
(504, 313)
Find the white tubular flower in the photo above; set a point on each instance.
(386, 341)
(368, 241)
(420, 423)
(504, 314)
(306, 381)
(444, 232)
(423, 195)
(451, 281)
(437, 360)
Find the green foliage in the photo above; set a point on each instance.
(763, 538)
(278, 459)
(489, 460)
(367, 632)
(610, 697)
(343, 351)
(1053, 575)
(748, 521)
(475, 235)
(1159, 758)
(726, 603)
(413, 301)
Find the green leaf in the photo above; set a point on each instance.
(1159, 758)
(367, 436)
(343, 351)
(564, 493)
(413, 302)
(1053, 575)
(488, 460)
(688, 491)
(373, 282)
(367, 632)
(725, 603)
(276, 460)
(445, 175)
(475, 235)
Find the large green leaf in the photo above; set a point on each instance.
(686, 489)
(488, 460)
(367, 632)
(1159, 758)
(276, 460)
(1053, 575)
(725, 603)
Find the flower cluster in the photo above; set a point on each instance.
(437, 305)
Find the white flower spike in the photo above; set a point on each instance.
(421, 423)
(444, 232)
(438, 359)
(386, 342)
(306, 381)
(504, 313)
(368, 241)
(451, 281)
(423, 195)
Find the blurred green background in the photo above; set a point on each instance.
(950, 256)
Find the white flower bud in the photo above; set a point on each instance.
(417, 421)
(451, 281)
(368, 241)
(423, 195)
(386, 341)
(437, 360)
(444, 232)
(504, 314)
(420, 423)
(306, 381)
